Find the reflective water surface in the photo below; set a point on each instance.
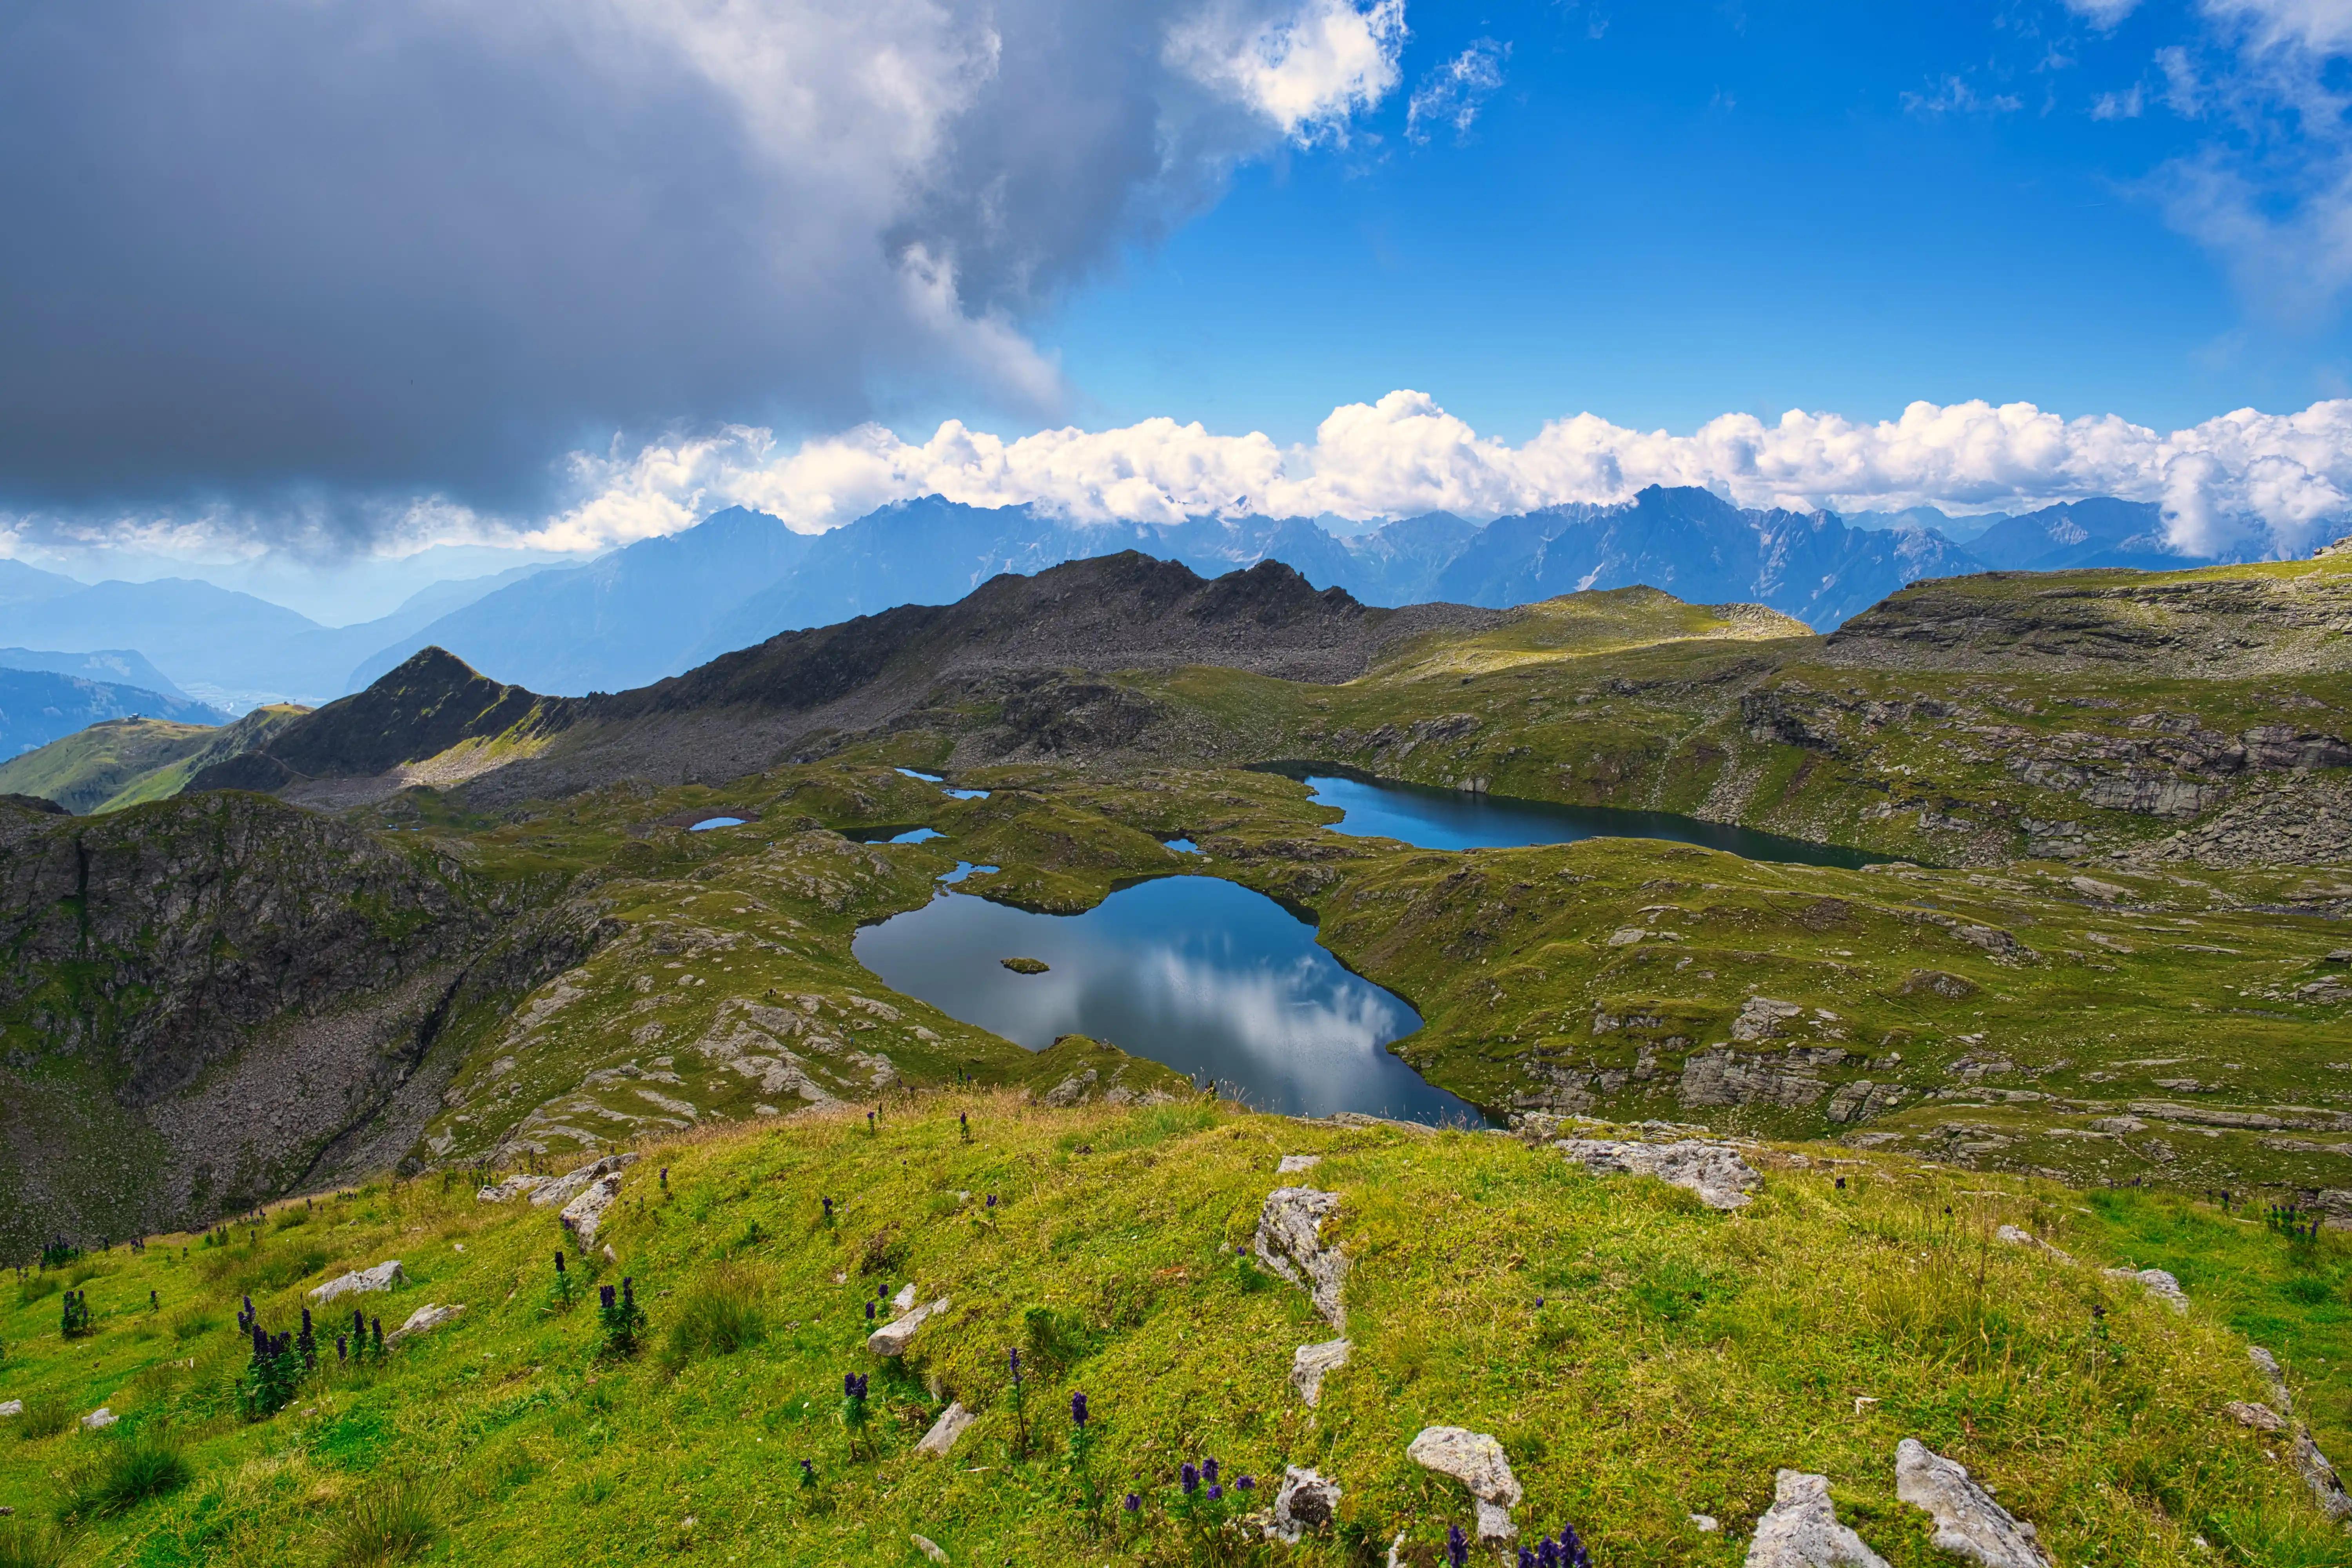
(1199, 974)
(706, 825)
(1431, 819)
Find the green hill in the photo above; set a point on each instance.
(123, 761)
(1640, 1358)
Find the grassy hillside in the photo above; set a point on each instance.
(1641, 1358)
(123, 762)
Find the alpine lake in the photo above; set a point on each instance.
(1220, 981)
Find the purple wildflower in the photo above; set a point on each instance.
(1547, 1553)
(1016, 1363)
(869, 1311)
(1247, 1484)
(1133, 1504)
(1526, 1557)
(1209, 1471)
(1216, 1494)
(828, 1208)
(992, 1200)
(1457, 1546)
(1571, 1550)
(1188, 1478)
(1079, 1411)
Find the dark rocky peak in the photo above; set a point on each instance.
(429, 703)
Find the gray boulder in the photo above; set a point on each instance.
(423, 1321)
(1800, 1530)
(12, 1408)
(1476, 1460)
(1969, 1522)
(945, 1431)
(893, 1338)
(585, 1213)
(2157, 1283)
(360, 1282)
(510, 1188)
(1290, 1244)
(2016, 1237)
(1295, 1164)
(567, 1186)
(1714, 1170)
(98, 1419)
(1310, 1363)
(1305, 1504)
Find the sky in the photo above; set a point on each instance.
(322, 299)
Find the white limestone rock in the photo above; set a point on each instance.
(567, 1186)
(1969, 1522)
(1307, 1503)
(361, 1282)
(98, 1419)
(424, 1321)
(1714, 1170)
(929, 1548)
(2260, 1417)
(12, 1408)
(945, 1431)
(2016, 1237)
(2157, 1283)
(893, 1338)
(1290, 1244)
(905, 1298)
(1476, 1460)
(1310, 1364)
(1800, 1530)
(1295, 1164)
(585, 1213)
(510, 1188)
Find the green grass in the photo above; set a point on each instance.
(1678, 1358)
(122, 1473)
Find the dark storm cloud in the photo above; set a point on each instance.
(307, 249)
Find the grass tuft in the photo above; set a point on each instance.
(126, 1472)
(725, 1310)
(46, 1416)
(25, 1543)
(392, 1521)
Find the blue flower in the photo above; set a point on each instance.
(1547, 1553)
(1188, 1478)
(1133, 1504)
(1209, 1471)
(1079, 1411)
(869, 1311)
(1247, 1484)
(1216, 1494)
(1457, 1546)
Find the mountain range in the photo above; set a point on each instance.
(664, 606)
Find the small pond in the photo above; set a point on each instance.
(1201, 974)
(708, 823)
(1430, 818)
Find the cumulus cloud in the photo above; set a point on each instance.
(2266, 484)
(1453, 92)
(2271, 191)
(1306, 71)
(331, 246)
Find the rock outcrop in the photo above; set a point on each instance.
(424, 1321)
(1305, 1504)
(1969, 1522)
(941, 1437)
(384, 1276)
(1310, 1364)
(1477, 1461)
(1289, 1242)
(1800, 1530)
(893, 1338)
(1714, 1170)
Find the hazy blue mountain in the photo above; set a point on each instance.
(37, 706)
(2101, 531)
(22, 585)
(112, 665)
(228, 648)
(211, 641)
(621, 621)
(1699, 547)
(1958, 530)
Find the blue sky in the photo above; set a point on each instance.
(1671, 210)
(291, 290)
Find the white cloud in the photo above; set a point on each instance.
(2269, 483)
(2104, 13)
(1452, 93)
(2271, 190)
(1306, 69)
(1951, 95)
(2125, 105)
